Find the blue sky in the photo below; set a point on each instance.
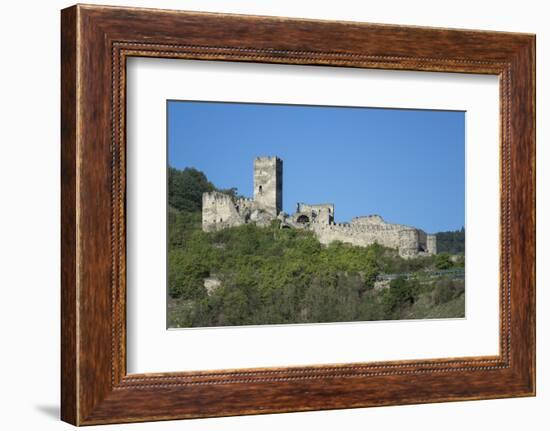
(405, 165)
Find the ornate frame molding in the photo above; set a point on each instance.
(96, 41)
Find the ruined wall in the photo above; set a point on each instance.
(268, 184)
(325, 216)
(219, 212)
(431, 244)
(356, 235)
(364, 231)
(222, 211)
(371, 221)
(409, 242)
(245, 207)
(314, 208)
(322, 213)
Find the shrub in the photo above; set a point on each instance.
(443, 261)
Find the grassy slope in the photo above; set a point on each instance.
(274, 276)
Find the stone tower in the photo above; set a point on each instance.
(268, 184)
(431, 243)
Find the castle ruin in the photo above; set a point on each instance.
(220, 211)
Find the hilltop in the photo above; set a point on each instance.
(252, 275)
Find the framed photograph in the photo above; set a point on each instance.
(264, 215)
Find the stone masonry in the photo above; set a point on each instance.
(268, 184)
(220, 211)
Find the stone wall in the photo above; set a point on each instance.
(409, 241)
(245, 207)
(431, 244)
(322, 213)
(313, 208)
(356, 235)
(375, 220)
(219, 212)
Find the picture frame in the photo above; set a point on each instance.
(96, 42)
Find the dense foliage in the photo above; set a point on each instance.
(268, 275)
(451, 241)
(185, 188)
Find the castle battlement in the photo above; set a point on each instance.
(215, 196)
(246, 200)
(220, 211)
(268, 159)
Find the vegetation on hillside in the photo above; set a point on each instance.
(451, 241)
(268, 275)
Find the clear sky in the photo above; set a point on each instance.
(406, 165)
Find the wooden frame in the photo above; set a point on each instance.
(96, 41)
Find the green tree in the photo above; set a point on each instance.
(402, 293)
(235, 308)
(451, 241)
(185, 188)
(372, 269)
(443, 261)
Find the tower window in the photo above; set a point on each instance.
(260, 189)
